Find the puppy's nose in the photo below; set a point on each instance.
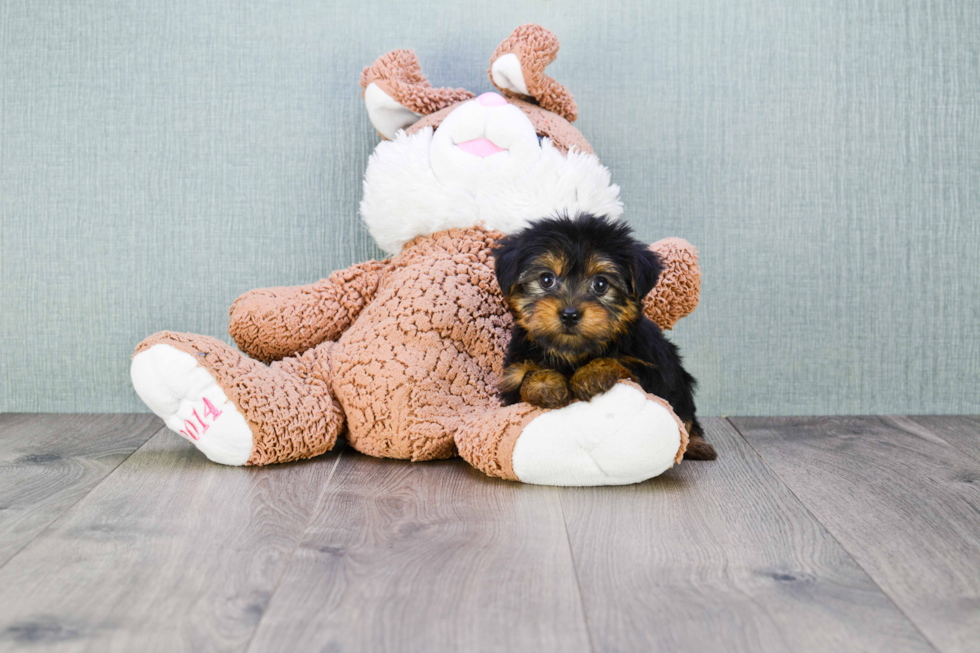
(569, 316)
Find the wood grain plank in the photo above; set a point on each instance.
(169, 553)
(721, 556)
(428, 557)
(961, 431)
(905, 504)
(48, 462)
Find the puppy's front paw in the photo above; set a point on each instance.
(597, 377)
(545, 389)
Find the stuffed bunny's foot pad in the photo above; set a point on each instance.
(617, 438)
(191, 403)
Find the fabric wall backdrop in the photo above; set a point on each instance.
(159, 159)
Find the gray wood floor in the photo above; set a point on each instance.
(808, 534)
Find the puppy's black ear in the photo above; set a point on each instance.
(506, 263)
(646, 269)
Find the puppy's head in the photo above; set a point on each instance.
(575, 285)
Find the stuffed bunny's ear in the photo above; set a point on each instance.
(517, 69)
(385, 113)
(506, 74)
(397, 94)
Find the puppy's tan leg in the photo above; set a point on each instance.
(546, 389)
(514, 375)
(597, 377)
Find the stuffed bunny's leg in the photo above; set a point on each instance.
(235, 410)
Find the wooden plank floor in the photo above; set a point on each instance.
(808, 534)
(722, 557)
(49, 462)
(904, 502)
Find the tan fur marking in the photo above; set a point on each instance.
(632, 360)
(568, 355)
(599, 265)
(596, 323)
(542, 318)
(545, 389)
(626, 317)
(514, 375)
(554, 262)
(597, 377)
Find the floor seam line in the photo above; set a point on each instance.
(829, 532)
(67, 510)
(578, 583)
(292, 554)
(935, 432)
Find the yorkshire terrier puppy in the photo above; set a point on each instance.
(576, 289)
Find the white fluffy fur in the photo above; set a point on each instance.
(403, 197)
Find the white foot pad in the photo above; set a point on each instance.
(618, 438)
(191, 403)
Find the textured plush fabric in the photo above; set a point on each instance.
(427, 350)
(679, 288)
(562, 133)
(271, 323)
(486, 440)
(535, 48)
(549, 105)
(399, 75)
(288, 404)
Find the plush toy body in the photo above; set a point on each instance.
(403, 356)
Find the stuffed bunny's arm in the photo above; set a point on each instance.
(271, 323)
(676, 293)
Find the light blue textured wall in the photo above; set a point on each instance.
(157, 159)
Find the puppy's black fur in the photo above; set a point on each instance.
(576, 289)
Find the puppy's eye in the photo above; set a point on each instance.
(547, 280)
(600, 285)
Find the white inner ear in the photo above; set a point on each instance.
(386, 114)
(506, 73)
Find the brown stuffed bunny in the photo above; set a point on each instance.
(403, 355)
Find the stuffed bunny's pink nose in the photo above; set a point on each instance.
(491, 100)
